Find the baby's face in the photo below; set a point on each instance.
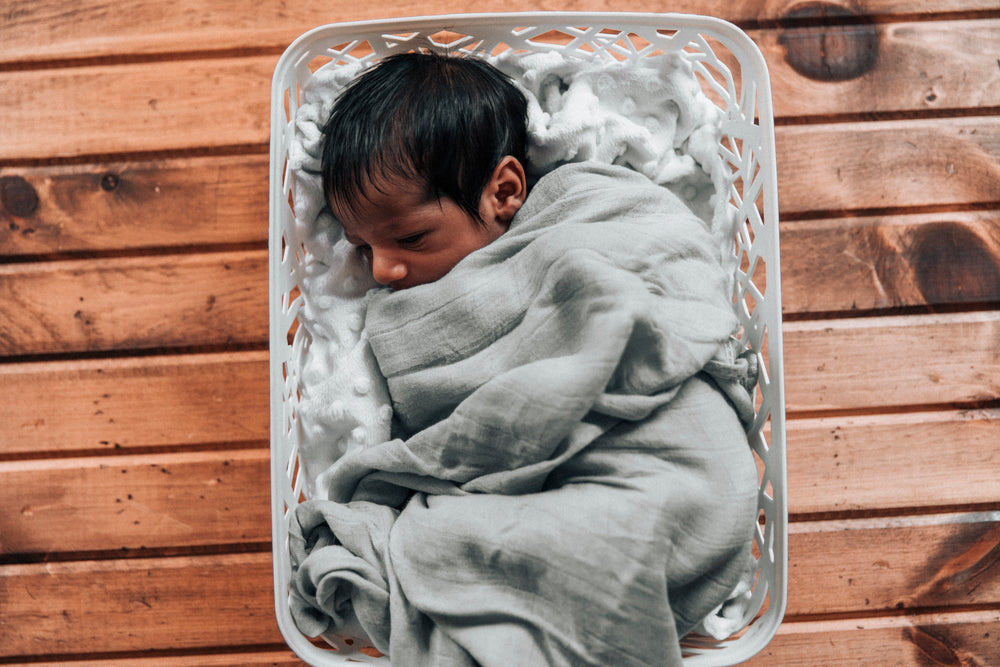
(409, 239)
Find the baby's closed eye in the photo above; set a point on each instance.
(411, 241)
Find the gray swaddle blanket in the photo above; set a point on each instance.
(574, 486)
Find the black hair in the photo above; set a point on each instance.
(444, 120)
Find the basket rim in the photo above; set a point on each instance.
(750, 58)
(671, 20)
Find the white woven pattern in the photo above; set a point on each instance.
(740, 88)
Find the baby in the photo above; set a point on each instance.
(570, 483)
(423, 163)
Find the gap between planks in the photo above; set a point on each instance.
(905, 620)
(884, 522)
(131, 253)
(249, 655)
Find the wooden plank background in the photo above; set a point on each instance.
(134, 521)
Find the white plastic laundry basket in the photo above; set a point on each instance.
(732, 72)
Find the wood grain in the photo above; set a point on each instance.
(134, 303)
(121, 405)
(923, 640)
(851, 566)
(133, 456)
(896, 361)
(841, 463)
(828, 265)
(835, 463)
(46, 30)
(861, 166)
(892, 564)
(889, 164)
(911, 69)
(176, 105)
(137, 604)
(186, 202)
(134, 108)
(207, 498)
(884, 262)
(135, 502)
(823, 358)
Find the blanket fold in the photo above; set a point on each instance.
(574, 486)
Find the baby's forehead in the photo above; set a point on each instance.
(387, 215)
(389, 193)
(381, 225)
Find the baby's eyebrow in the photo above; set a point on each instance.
(403, 229)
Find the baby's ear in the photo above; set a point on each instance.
(507, 189)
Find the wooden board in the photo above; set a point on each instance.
(121, 206)
(207, 498)
(133, 404)
(882, 166)
(175, 105)
(134, 303)
(894, 563)
(829, 70)
(857, 566)
(174, 603)
(135, 108)
(862, 264)
(46, 30)
(822, 357)
(847, 463)
(828, 264)
(836, 463)
(924, 640)
(153, 501)
(892, 362)
(888, 165)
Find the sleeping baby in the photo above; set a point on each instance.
(569, 480)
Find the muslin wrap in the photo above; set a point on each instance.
(571, 483)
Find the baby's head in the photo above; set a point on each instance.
(423, 163)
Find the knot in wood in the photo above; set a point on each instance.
(828, 42)
(952, 264)
(109, 182)
(18, 196)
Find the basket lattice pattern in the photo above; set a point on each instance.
(731, 72)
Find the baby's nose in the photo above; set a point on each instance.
(387, 269)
